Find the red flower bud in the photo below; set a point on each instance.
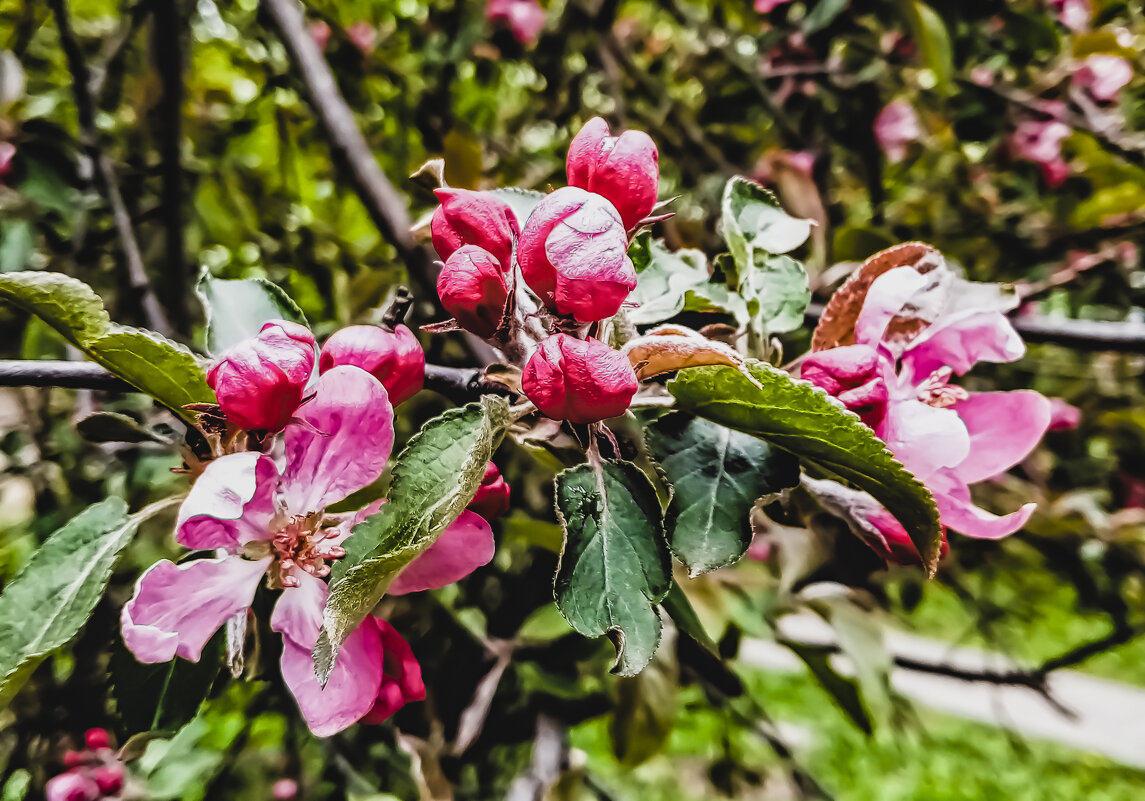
(492, 498)
(892, 543)
(97, 738)
(109, 778)
(581, 381)
(466, 217)
(624, 169)
(472, 288)
(260, 382)
(393, 357)
(574, 255)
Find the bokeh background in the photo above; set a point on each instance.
(1010, 135)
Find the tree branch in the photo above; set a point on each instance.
(383, 203)
(104, 175)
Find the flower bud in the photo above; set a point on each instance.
(525, 18)
(850, 373)
(581, 381)
(7, 154)
(492, 498)
(574, 255)
(109, 778)
(624, 169)
(466, 217)
(401, 675)
(71, 786)
(97, 738)
(890, 541)
(472, 288)
(261, 381)
(393, 357)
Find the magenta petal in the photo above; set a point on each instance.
(1004, 427)
(959, 513)
(960, 341)
(177, 608)
(462, 548)
(339, 442)
(401, 677)
(353, 686)
(885, 299)
(924, 438)
(230, 504)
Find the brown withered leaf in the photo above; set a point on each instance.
(444, 327)
(668, 348)
(837, 325)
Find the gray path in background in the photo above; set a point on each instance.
(1108, 717)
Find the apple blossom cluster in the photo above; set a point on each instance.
(898, 380)
(259, 520)
(93, 772)
(571, 253)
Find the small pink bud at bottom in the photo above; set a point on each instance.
(582, 381)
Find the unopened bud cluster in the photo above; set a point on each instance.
(572, 253)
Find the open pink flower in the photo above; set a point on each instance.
(1104, 76)
(948, 437)
(525, 18)
(896, 127)
(260, 520)
(1040, 141)
(1074, 14)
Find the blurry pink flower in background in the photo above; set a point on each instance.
(1063, 415)
(93, 773)
(284, 789)
(896, 126)
(7, 153)
(363, 36)
(320, 33)
(1104, 76)
(525, 18)
(1040, 141)
(1074, 14)
(767, 6)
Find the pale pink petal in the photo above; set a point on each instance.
(959, 341)
(230, 504)
(960, 514)
(1004, 427)
(353, 686)
(339, 442)
(924, 438)
(401, 677)
(177, 608)
(462, 548)
(1063, 415)
(885, 298)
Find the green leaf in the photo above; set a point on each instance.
(521, 201)
(687, 621)
(823, 14)
(115, 427)
(844, 690)
(664, 279)
(433, 480)
(236, 309)
(804, 420)
(615, 565)
(17, 244)
(756, 230)
(53, 596)
(752, 219)
(166, 371)
(718, 474)
(933, 40)
(646, 707)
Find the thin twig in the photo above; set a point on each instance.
(104, 174)
(383, 203)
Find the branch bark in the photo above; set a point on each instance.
(383, 203)
(104, 174)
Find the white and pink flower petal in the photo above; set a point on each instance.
(339, 442)
(962, 340)
(230, 504)
(462, 548)
(176, 609)
(1004, 427)
(959, 513)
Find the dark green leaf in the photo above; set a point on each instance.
(615, 565)
(115, 427)
(166, 371)
(163, 697)
(802, 419)
(53, 596)
(844, 690)
(646, 706)
(236, 309)
(433, 480)
(718, 474)
(683, 614)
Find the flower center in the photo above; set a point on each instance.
(936, 390)
(302, 543)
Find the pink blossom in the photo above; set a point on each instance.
(284, 790)
(260, 521)
(574, 254)
(492, 497)
(1074, 14)
(1104, 76)
(363, 36)
(466, 217)
(1040, 141)
(320, 33)
(525, 18)
(623, 169)
(394, 357)
(947, 437)
(767, 6)
(75, 785)
(579, 380)
(7, 154)
(472, 288)
(896, 126)
(1063, 416)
